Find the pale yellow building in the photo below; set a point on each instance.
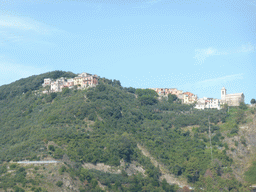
(78, 81)
(189, 98)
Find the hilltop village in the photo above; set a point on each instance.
(205, 102)
(86, 80)
(82, 81)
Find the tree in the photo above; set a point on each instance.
(131, 89)
(172, 98)
(116, 83)
(250, 175)
(224, 106)
(65, 90)
(51, 147)
(147, 92)
(59, 183)
(243, 106)
(193, 169)
(147, 100)
(253, 101)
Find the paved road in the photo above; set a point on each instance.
(37, 162)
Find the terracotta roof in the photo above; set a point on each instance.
(188, 93)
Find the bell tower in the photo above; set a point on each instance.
(223, 93)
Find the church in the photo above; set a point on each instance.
(231, 99)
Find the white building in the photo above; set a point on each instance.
(47, 82)
(84, 74)
(56, 86)
(208, 103)
(213, 103)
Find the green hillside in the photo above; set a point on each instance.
(104, 125)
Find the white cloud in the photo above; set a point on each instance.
(8, 36)
(24, 24)
(202, 54)
(218, 81)
(24, 29)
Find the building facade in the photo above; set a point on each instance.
(231, 99)
(89, 81)
(69, 83)
(186, 98)
(208, 103)
(166, 91)
(189, 98)
(47, 81)
(56, 86)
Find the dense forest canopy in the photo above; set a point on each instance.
(105, 124)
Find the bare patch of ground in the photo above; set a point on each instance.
(103, 167)
(129, 168)
(170, 178)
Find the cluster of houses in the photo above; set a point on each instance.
(83, 80)
(185, 97)
(203, 103)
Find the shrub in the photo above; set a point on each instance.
(226, 146)
(234, 130)
(250, 175)
(131, 89)
(18, 189)
(92, 117)
(62, 169)
(147, 100)
(146, 92)
(172, 98)
(243, 141)
(65, 90)
(243, 106)
(13, 166)
(51, 148)
(3, 169)
(36, 168)
(59, 183)
(239, 116)
(58, 154)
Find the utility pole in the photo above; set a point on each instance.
(210, 135)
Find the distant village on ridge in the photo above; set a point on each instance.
(86, 80)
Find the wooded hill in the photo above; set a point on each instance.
(104, 125)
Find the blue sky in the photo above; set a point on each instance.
(193, 45)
